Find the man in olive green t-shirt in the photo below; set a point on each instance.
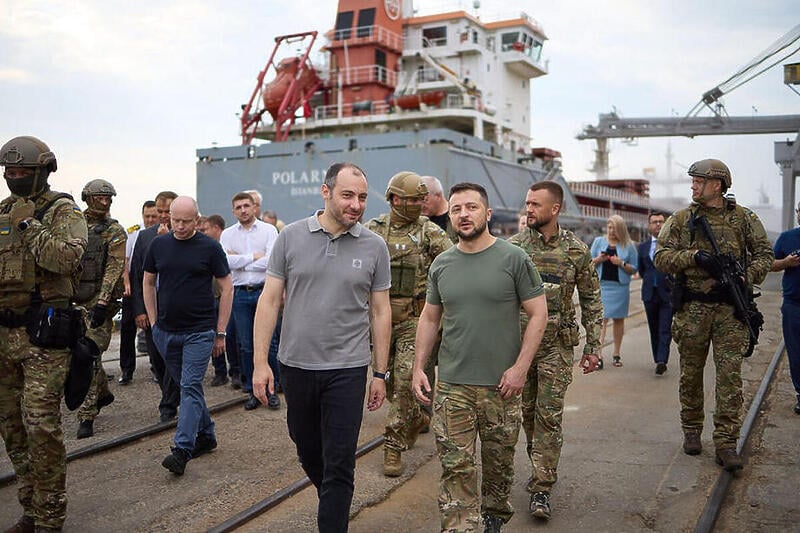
(476, 289)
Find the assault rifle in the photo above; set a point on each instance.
(731, 279)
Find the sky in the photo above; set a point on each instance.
(127, 91)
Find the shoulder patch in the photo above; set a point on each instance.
(76, 209)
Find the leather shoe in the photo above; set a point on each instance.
(85, 429)
(125, 379)
(273, 402)
(661, 368)
(252, 403)
(729, 459)
(166, 417)
(691, 443)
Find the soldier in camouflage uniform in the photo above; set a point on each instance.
(99, 291)
(704, 315)
(414, 242)
(564, 263)
(42, 238)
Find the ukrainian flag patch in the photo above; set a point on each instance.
(5, 230)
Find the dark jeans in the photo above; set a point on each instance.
(791, 336)
(234, 366)
(170, 391)
(659, 321)
(324, 412)
(127, 338)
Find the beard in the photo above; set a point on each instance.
(539, 222)
(476, 232)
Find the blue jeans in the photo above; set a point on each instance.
(186, 356)
(244, 313)
(791, 336)
(324, 412)
(231, 351)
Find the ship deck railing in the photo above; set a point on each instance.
(366, 35)
(608, 193)
(380, 107)
(359, 75)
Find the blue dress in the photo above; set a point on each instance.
(615, 295)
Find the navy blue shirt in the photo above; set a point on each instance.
(185, 271)
(788, 242)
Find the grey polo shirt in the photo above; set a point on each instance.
(328, 284)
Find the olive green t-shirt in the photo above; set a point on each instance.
(480, 294)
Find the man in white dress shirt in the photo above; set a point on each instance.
(248, 244)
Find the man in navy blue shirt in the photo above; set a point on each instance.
(180, 266)
(655, 295)
(787, 257)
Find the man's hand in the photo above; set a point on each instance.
(377, 393)
(589, 363)
(163, 229)
(263, 380)
(99, 315)
(512, 382)
(709, 263)
(421, 387)
(126, 292)
(219, 347)
(141, 321)
(22, 210)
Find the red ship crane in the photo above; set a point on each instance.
(294, 83)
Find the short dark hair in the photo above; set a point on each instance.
(148, 204)
(166, 195)
(216, 220)
(552, 187)
(467, 186)
(652, 214)
(242, 196)
(334, 169)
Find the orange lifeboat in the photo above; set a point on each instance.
(413, 101)
(286, 71)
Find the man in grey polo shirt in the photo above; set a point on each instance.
(336, 276)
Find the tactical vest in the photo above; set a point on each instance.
(93, 262)
(19, 275)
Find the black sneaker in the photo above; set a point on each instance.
(252, 403)
(219, 380)
(85, 429)
(661, 368)
(273, 402)
(540, 505)
(176, 461)
(492, 524)
(203, 444)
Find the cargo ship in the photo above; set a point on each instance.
(445, 94)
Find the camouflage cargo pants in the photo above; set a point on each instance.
(31, 387)
(694, 328)
(404, 409)
(101, 335)
(461, 413)
(543, 410)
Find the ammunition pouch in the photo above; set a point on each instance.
(53, 327)
(570, 334)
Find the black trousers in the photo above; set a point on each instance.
(324, 413)
(170, 391)
(127, 338)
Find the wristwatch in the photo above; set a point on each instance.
(24, 224)
(380, 375)
(222, 334)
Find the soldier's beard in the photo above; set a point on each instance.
(540, 223)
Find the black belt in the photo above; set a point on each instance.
(713, 297)
(249, 288)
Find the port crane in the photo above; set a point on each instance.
(787, 154)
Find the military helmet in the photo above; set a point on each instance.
(406, 184)
(711, 168)
(97, 187)
(28, 152)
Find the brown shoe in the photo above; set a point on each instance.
(392, 466)
(691, 443)
(729, 459)
(24, 525)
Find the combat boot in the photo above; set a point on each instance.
(729, 460)
(392, 465)
(417, 429)
(86, 429)
(24, 525)
(691, 443)
(539, 506)
(492, 524)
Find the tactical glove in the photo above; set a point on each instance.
(99, 315)
(709, 263)
(21, 210)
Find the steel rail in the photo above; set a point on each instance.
(127, 438)
(708, 518)
(281, 495)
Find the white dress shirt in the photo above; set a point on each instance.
(240, 244)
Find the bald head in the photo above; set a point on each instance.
(435, 203)
(183, 213)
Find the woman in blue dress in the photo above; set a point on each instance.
(615, 258)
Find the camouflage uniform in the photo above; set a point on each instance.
(43, 256)
(412, 248)
(700, 323)
(564, 263)
(103, 265)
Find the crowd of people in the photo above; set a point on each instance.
(464, 334)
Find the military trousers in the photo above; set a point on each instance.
(694, 328)
(461, 414)
(31, 387)
(405, 414)
(101, 335)
(543, 410)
